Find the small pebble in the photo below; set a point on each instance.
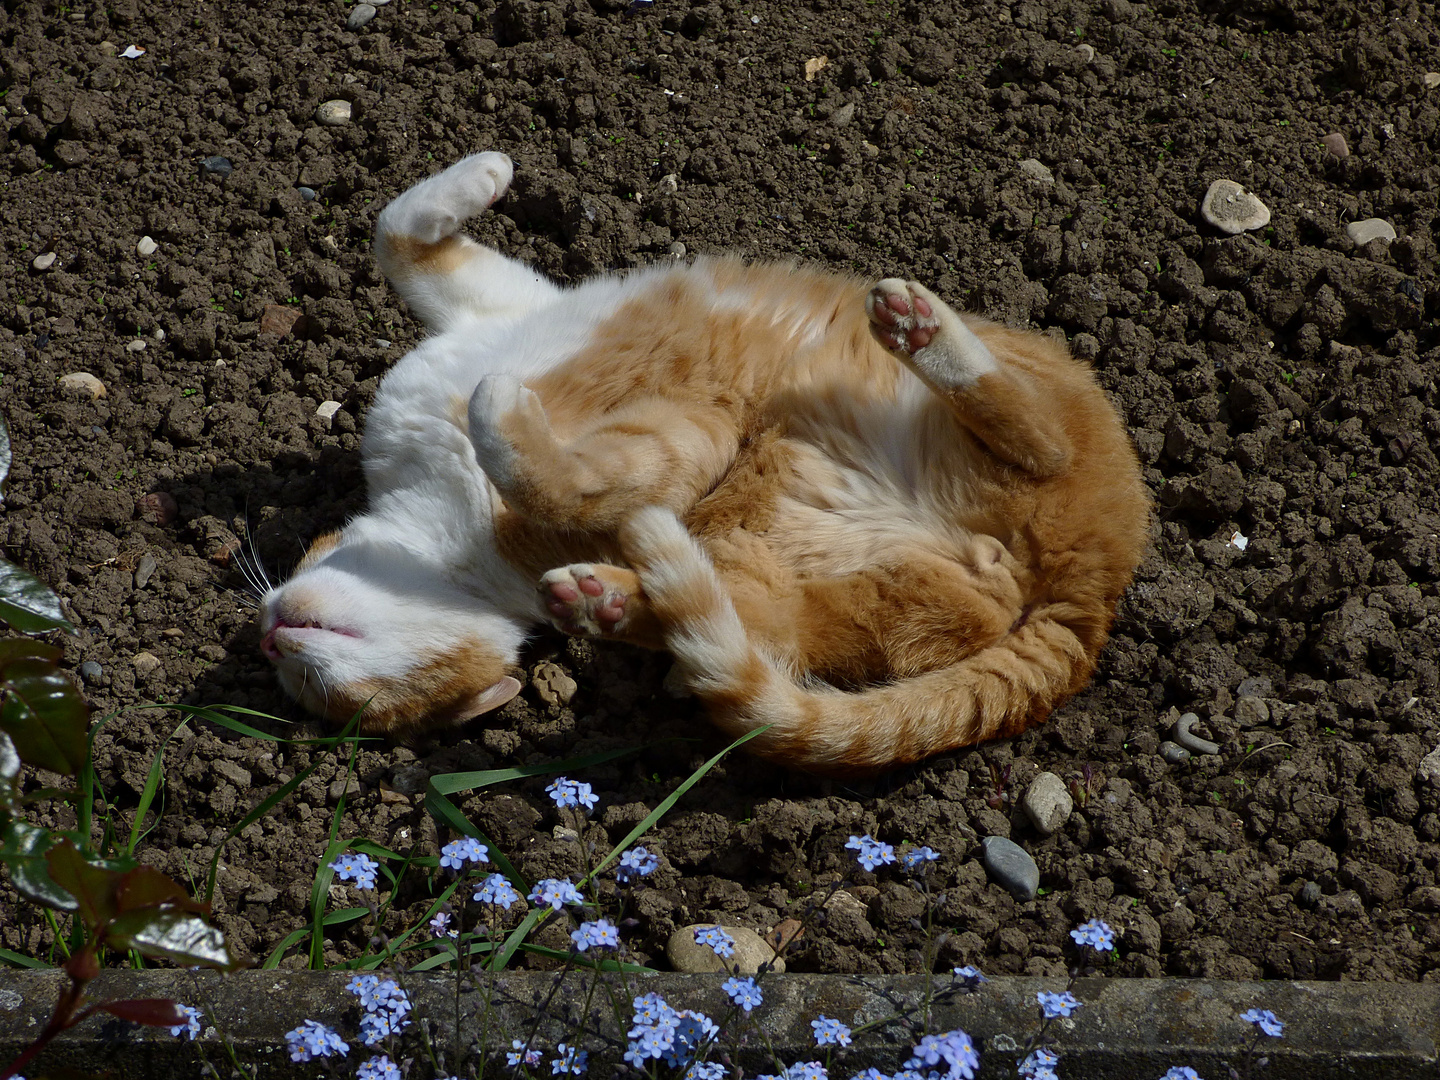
(1335, 143)
(334, 113)
(383, 343)
(145, 664)
(1037, 171)
(1309, 895)
(843, 115)
(1194, 743)
(1174, 753)
(1086, 50)
(348, 787)
(91, 672)
(1429, 767)
(144, 570)
(669, 184)
(676, 250)
(1432, 79)
(135, 346)
(1009, 865)
(1255, 686)
(1047, 803)
(409, 779)
(83, 381)
(359, 16)
(308, 194)
(1232, 209)
(146, 247)
(1250, 711)
(43, 262)
(327, 409)
(159, 507)
(217, 166)
(1362, 232)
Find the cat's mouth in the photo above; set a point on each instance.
(285, 638)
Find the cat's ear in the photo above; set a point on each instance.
(489, 699)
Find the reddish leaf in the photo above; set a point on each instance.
(41, 709)
(146, 887)
(92, 886)
(156, 1012)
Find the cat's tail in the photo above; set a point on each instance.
(996, 692)
(443, 274)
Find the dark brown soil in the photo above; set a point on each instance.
(1279, 384)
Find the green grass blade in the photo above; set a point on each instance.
(20, 960)
(449, 783)
(152, 786)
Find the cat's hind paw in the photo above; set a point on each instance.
(921, 330)
(435, 208)
(900, 317)
(586, 600)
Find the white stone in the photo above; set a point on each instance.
(1037, 171)
(146, 247)
(1362, 232)
(43, 262)
(145, 663)
(1429, 767)
(1432, 79)
(83, 380)
(1047, 803)
(334, 113)
(1232, 209)
(360, 14)
(1086, 50)
(135, 346)
(327, 409)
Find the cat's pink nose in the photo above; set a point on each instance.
(269, 648)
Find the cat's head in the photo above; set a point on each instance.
(368, 622)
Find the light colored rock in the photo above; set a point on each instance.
(83, 382)
(1362, 232)
(1174, 753)
(1335, 143)
(1250, 711)
(1432, 79)
(327, 409)
(144, 571)
(1232, 209)
(843, 115)
(145, 664)
(135, 346)
(43, 262)
(1037, 171)
(360, 14)
(676, 250)
(146, 247)
(334, 113)
(669, 184)
(1011, 866)
(553, 685)
(1047, 803)
(1086, 50)
(688, 955)
(1429, 767)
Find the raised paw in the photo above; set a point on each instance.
(580, 602)
(901, 317)
(498, 403)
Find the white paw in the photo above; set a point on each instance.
(579, 603)
(922, 330)
(495, 398)
(485, 176)
(435, 208)
(901, 318)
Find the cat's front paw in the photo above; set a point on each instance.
(498, 403)
(586, 600)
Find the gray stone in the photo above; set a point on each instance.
(1011, 866)
(144, 570)
(1309, 895)
(1429, 767)
(1086, 50)
(145, 664)
(1362, 232)
(82, 382)
(308, 194)
(843, 115)
(687, 954)
(342, 786)
(1255, 686)
(1335, 144)
(409, 779)
(1174, 753)
(1194, 743)
(1432, 79)
(146, 247)
(334, 113)
(91, 672)
(43, 262)
(326, 410)
(217, 166)
(359, 16)
(676, 250)
(1232, 209)
(228, 770)
(1037, 171)
(135, 346)
(1047, 803)
(1250, 711)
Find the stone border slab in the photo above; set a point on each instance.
(1127, 1029)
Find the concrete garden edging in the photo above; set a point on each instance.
(1127, 1029)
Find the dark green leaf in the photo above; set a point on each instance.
(28, 604)
(171, 934)
(22, 849)
(10, 956)
(91, 885)
(146, 887)
(44, 714)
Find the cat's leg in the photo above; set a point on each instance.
(997, 400)
(653, 451)
(442, 274)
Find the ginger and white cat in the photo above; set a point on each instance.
(849, 513)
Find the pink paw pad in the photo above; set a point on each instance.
(901, 320)
(579, 602)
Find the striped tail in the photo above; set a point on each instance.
(996, 692)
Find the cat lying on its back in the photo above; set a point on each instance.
(849, 513)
